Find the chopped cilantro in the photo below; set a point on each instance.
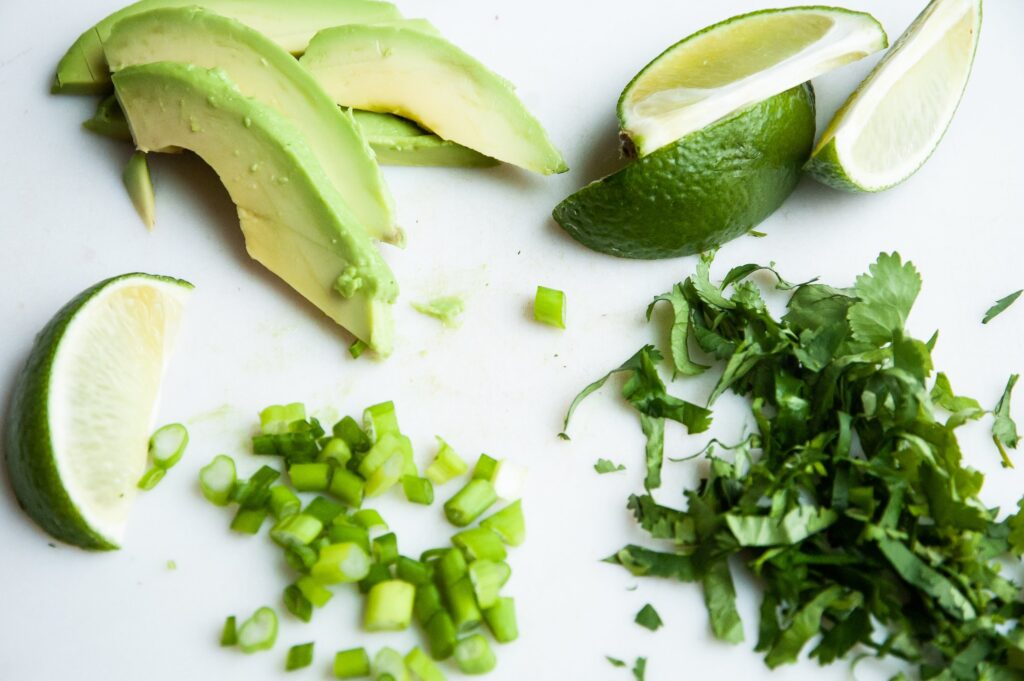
(1004, 430)
(605, 466)
(639, 668)
(1000, 306)
(648, 618)
(614, 661)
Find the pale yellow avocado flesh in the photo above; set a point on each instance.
(293, 220)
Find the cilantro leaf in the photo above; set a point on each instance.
(885, 297)
(1001, 305)
(680, 333)
(648, 618)
(1004, 429)
(605, 466)
(639, 668)
(804, 625)
(792, 528)
(720, 599)
(614, 661)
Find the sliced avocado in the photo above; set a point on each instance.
(139, 184)
(294, 220)
(109, 120)
(396, 70)
(83, 69)
(266, 72)
(399, 142)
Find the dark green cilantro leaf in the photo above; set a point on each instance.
(648, 618)
(1004, 429)
(640, 668)
(605, 466)
(681, 333)
(614, 661)
(805, 624)
(1000, 306)
(885, 296)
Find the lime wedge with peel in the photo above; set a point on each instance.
(889, 127)
(736, 63)
(77, 432)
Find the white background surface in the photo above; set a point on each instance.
(499, 384)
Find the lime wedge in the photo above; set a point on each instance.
(81, 413)
(737, 63)
(889, 127)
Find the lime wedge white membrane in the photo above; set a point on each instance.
(897, 117)
(737, 63)
(78, 430)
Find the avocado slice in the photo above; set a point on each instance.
(83, 69)
(139, 184)
(266, 72)
(391, 69)
(109, 120)
(399, 142)
(294, 221)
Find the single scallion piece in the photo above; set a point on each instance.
(310, 477)
(344, 531)
(229, 634)
(283, 502)
(324, 510)
(441, 635)
(446, 465)
(487, 578)
(508, 523)
(509, 479)
(450, 568)
(355, 437)
(466, 615)
(347, 487)
(336, 450)
(315, 592)
(371, 520)
(217, 479)
(387, 446)
(351, 664)
(501, 620)
(422, 667)
(297, 604)
(299, 656)
(277, 418)
(470, 502)
(379, 419)
(388, 662)
(389, 606)
(427, 603)
(255, 492)
(167, 445)
(549, 307)
(473, 655)
(249, 520)
(151, 478)
(259, 632)
(341, 563)
(385, 549)
(357, 348)
(418, 490)
(485, 468)
(413, 571)
(378, 573)
(299, 529)
(300, 558)
(385, 477)
(481, 543)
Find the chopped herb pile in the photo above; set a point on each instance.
(850, 501)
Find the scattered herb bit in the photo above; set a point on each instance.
(229, 634)
(648, 618)
(639, 668)
(171, 565)
(605, 466)
(447, 309)
(1004, 429)
(1000, 306)
(357, 348)
(549, 307)
(615, 662)
(757, 234)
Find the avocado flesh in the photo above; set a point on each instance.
(396, 70)
(400, 142)
(266, 72)
(83, 69)
(294, 221)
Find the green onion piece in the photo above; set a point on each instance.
(508, 523)
(339, 563)
(389, 606)
(386, 447)
(357, 348)
(296, 530)
(259, 632)
(299, 656)
(385, 477)
(351, 664)
(446, 465)
(480, 543)
(441, 635)
(151, 477)
(549, 307)
(341, 532)
(450, 568)
(229, 634)
(300, 558)
(167, 445)
(501, 620)
(378, 573)
(297, 604)
(310, 477)
(324, 510)
(487, 578)
(473, 655)
(371, 520)
(283, 502)
(509, 479)
(413, 571)
(388, 662)
(380, 419)
(249, 520)
(296, 447)
(485, 468)
(466, 615)
(385, 549)
(418, 490)
(427, 603)
(336, 450)
(470, 502)
(315, 592)
(255, 492)
(217, 479)
(311, 427)
(431, 556)
(355, 437)
(276, 418)
(265, 445)
(422, 667)
(347, 487)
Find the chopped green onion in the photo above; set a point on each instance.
(501, 620)
(450, 568)
(470, 502)
(549, 307)
(310, 477)
(357, 348)
(265, 445)
(509, 479)
(151, 477)
(387, 446)
(283, 502)
(229, 634)
(347, 487)
(299, 656)
(351, 664)
(508, 523)
(380, 419)
(255, 492)
(378, 573)
(462, 606)
(355, 437)
(296, 447)
(422, 667)
(480, 543)
(446, 465)
(385, 477)
(338, 563)
(167, 445)
(300, 558)
(473, 655)
(344, 531)
(217, 479)
(485, 468)
(427, 603)
(278, 417)
(413, 571)
(336, 450)
(296, 530)
(388, 662)
(389, 606)
(297, 604)
(324, 510)
(418, 490)
(487, 578)
(371, 520)
(249, 520)
(315, 592)
(431, 556)
(441, 635)
(259, 632)
(385, 549)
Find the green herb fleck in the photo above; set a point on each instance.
(1004, 429)
(1000, 306)
(639, 668)
(615, 662)
(605, 466)
(447, 309)
(648, 618)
